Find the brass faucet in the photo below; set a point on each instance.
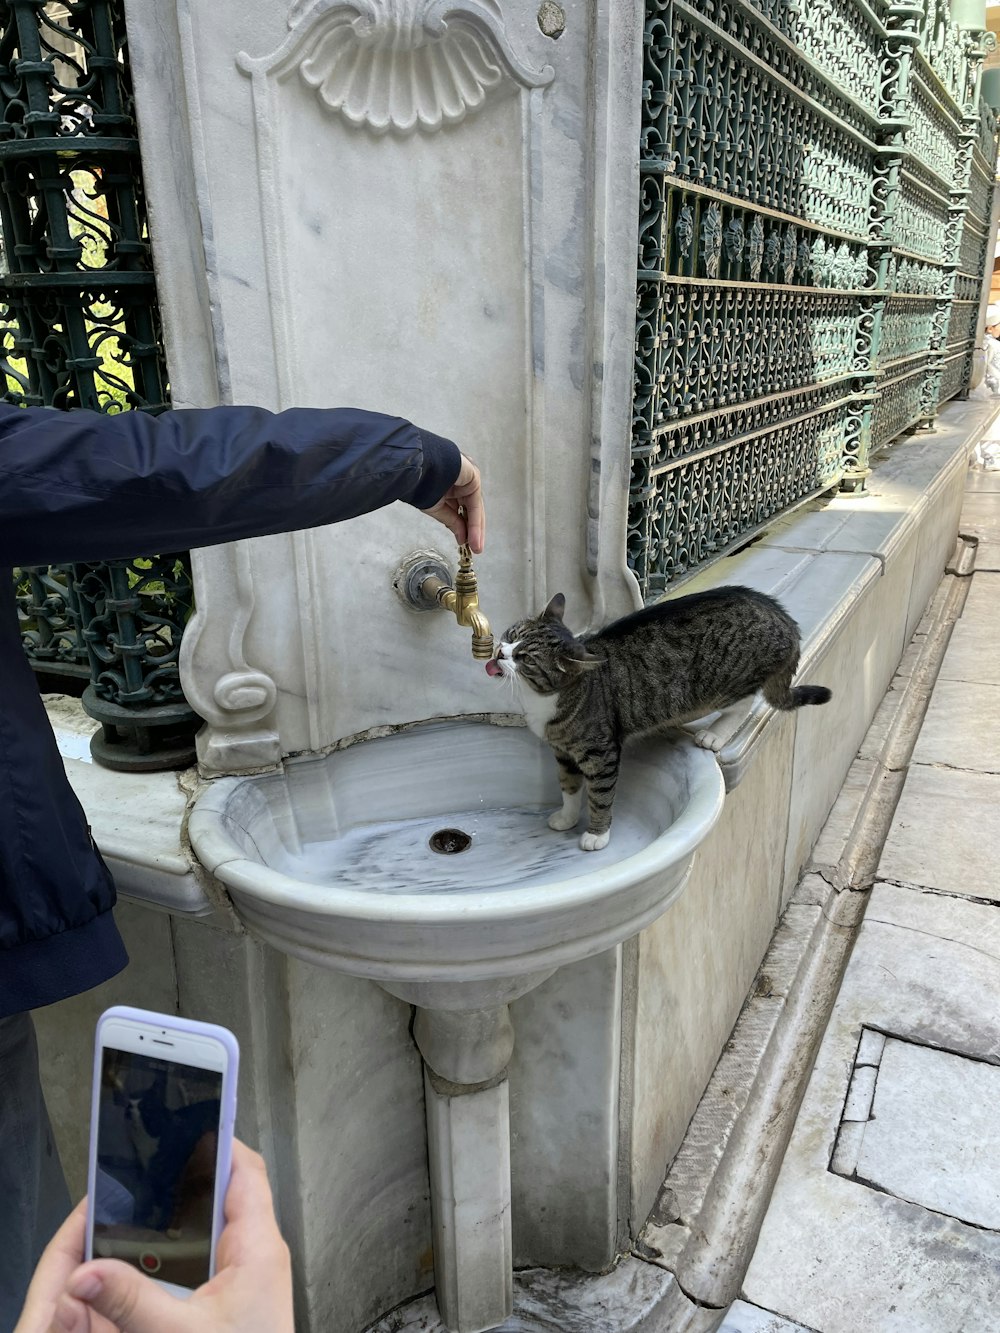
(423, 584)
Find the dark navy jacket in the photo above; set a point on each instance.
(82, 486)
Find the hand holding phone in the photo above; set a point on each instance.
(251, 1294)
(164, 1103)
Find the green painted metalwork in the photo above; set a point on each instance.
(816, 185)
(79, 327)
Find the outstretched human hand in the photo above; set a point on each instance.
(251, 1291)
(466, 494)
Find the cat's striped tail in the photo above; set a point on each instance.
(780, 693)
(810, 694)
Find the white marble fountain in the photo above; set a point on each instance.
(424, 861)
(427, 209)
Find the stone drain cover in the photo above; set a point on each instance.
(920, 1123)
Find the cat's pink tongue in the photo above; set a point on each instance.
(493, 667)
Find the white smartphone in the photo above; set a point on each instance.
(161, 1136)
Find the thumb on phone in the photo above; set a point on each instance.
(131, 1301)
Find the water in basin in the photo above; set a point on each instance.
(365, 817)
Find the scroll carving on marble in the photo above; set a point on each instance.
(226, 690)
(400, 65)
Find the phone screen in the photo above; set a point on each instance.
(157, 1141)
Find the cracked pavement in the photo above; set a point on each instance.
(886, 1212)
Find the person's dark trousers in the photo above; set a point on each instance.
(34, 1200)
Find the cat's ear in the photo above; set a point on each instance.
(555, 608)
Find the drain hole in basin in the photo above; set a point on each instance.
(448, 841)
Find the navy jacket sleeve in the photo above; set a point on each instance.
(82, 486)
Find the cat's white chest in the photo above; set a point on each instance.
(539, 709)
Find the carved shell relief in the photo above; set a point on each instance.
(400, 65)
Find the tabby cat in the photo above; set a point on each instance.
(661, 667)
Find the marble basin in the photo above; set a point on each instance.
(332, 859)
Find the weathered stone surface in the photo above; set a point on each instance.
(931, 1137)
(744, 1318)
(962, 727)
(833, 1253)
(622, 1301)
(974, 651)
(979, 479)
(945, 834)
(830, 846)
(981, 517)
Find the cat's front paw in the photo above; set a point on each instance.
(593, 842)
(562, 820)
(708, 740)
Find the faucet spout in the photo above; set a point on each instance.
(424, 585)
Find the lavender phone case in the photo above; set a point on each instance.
(227, 1111)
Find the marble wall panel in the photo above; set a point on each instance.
(352, 1115)
(696, 964)
(564, 1103)
(858, 664)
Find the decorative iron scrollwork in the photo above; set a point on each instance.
(816, 188)
(80, 328)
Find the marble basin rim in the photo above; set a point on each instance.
(328, 859)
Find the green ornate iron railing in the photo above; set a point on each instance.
(79, 327)
(816, 188)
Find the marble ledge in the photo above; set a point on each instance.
(137, 820)
(823, 559)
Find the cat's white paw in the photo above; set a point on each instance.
(593, 842)
(569, 815)
(708, 740)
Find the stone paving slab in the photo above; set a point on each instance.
(974, 649)
(962, 727)
(946, 833)
(988, 557)
(930, 1136)
(982, 479)
(981, 516)
(835, 1254)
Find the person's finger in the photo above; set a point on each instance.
(475, 518)
(446, 512)
(71, 1316)
(132, 1302)
(468, 491)
(251, 1234)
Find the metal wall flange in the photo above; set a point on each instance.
(409, 579)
